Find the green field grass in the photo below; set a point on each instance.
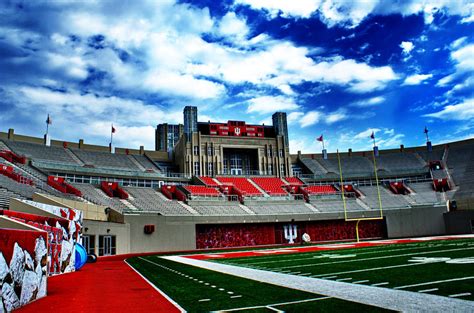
(200, 290)
(442, 268)
(391, 266)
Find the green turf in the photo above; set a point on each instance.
(168, 277)
(380, 264)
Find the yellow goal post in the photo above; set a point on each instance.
(359, 219)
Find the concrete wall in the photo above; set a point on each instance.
(121, 231)
(419, 221)
(90, 211)
(459, 222)
(179, 233)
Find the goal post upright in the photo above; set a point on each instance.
(359, 219)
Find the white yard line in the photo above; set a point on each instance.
(361, 281)
(374, 249)
(460, 295)
(380, 284)
(274, 304)
(398, 300)
(369, 269)
(344, 279)
(273, 309)
(375, 258)
(428, 290)
(435, 282)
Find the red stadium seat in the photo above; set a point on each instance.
(271, 185)
(208, 181)
(242, 184)
(202, 191)
(320, 189)
(294, 181)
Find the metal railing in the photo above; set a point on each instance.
(104, 171)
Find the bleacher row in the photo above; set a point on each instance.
(460, 164)
(360, 165)
(79, 157)
(150, 200)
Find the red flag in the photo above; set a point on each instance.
(113, 129)
(373, 135)
(49, 121)
(320, 138)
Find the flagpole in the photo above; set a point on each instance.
(323, 143)
(111, 134)
(426, 133)
(47, 125)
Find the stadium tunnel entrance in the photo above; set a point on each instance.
(238, 161)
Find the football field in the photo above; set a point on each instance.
(441, 268)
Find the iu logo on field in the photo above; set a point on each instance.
(237, 131)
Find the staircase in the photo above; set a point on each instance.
(4, 147)
(419, 158)
(187, 207)
(5, 196)
(246, 209)
(137, 164)
(74, 157)
(312, 208)
(129, 205)
(256, 186)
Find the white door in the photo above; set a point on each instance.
(236, 172)
(107, 245)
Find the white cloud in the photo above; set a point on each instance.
(416, 79)
(337, 116)
(468, 19)
(463, 111)
(305, 144)
(351, 13)
(310, 118)
(464, 65)
(300, 8)
(231, 25)
(294, 117)
(407, 47)
(458, 42)
(182, 85)
(368, 102)
(366, 133)
(79, 114)
(269, 104)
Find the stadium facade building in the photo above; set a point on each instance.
(233, 148)
(233, 184)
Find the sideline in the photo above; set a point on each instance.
(157, 289)
(398, 300)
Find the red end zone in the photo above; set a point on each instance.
(325, 247)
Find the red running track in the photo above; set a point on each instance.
(105, 286)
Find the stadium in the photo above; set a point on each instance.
(237, 156)
(206, 221)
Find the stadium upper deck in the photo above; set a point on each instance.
(86, 169)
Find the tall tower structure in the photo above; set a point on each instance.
(166, 136)
(190, 121)
(280, 125)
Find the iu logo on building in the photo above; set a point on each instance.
(237, 131)
(290, 232)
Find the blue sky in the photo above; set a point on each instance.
(338, 68)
